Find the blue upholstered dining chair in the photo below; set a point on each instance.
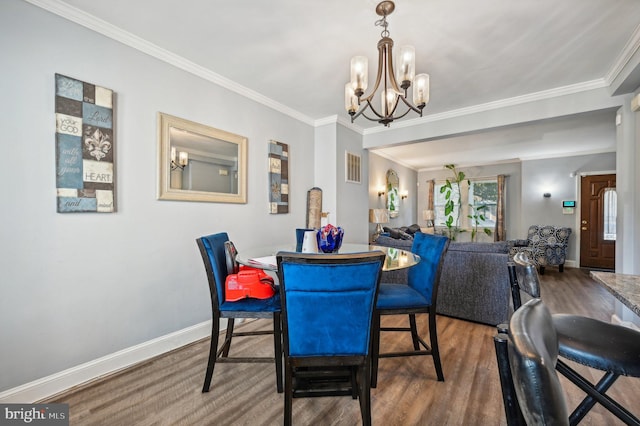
(418, 296)
(327, 312)
(214, 256)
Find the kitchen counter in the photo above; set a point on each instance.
(624, 287)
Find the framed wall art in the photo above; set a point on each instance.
(85, 143)
(278, 177)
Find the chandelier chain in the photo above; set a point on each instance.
(383, 23)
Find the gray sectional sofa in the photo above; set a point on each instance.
(474, 284)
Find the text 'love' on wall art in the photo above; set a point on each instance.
(85, 160)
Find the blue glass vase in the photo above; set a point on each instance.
(330, 238)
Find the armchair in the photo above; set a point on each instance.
(546, 245)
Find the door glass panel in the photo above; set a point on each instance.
(610, 213)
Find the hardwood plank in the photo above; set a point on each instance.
(166, 390)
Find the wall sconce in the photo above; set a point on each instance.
(183, 159)
(404, 195)
(381, 191)
(547, 195)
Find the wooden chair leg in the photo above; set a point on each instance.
(356, 381)
(375, 349)
(435, 351)
(561, 267)
(414, 332)
(288, 393)
(213, 352)
(541, 270)
(364, 388)
(227, 338)
(277, 348)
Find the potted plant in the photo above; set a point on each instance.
(452, 196)
(477, 215)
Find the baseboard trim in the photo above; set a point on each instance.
(58, 382)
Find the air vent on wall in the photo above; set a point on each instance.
(353, 167)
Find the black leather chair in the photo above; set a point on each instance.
(327, 312)
(218, 262)
(604, 346)
(526, 359)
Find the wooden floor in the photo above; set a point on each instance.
(166, 390)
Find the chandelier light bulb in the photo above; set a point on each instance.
(406, 66)
(350, 98)
(359, 71)
(421, 90)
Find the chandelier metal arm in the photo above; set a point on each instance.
(385, 61)
(417, 109)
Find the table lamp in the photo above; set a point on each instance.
(378, 216)
(428, 216)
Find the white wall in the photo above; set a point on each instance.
(76, 287)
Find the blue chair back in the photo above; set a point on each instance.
(425, 276)
(214, 246)
(299, 237)
(328, 302)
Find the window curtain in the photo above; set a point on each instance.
(498, 234)
(431, 184)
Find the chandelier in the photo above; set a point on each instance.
(392, 93)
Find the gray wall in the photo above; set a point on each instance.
(513, 192)
(407, 177)
(526, 182)
(76, 287)
(553, 176)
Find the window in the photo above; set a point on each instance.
(483, 193)
(476, 194)
(610, 213)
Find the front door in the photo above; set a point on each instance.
(598, 222)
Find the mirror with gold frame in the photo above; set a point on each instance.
(393, 198)
(200, 163)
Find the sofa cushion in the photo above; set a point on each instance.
(495, 247)
(413, 229)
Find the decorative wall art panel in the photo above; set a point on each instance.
(278, 177)
(85, 162)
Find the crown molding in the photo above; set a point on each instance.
(502, 103)
(395, 160)
(100, 26)
(630, 49)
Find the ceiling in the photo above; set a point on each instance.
(295, 54)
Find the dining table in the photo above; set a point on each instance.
(332, 381)
(265, 257)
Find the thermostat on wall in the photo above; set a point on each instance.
(568, 206)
